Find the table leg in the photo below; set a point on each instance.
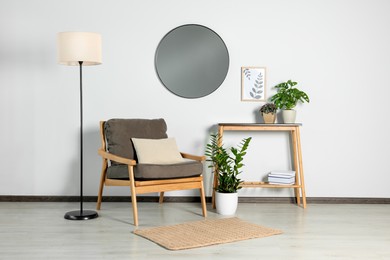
(215, 182)
(301, 176)
(295, 162)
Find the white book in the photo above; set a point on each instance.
(281, 176)
(281, 180)
(282, 173)
(278, 183)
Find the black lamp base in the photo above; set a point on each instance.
(81, 215)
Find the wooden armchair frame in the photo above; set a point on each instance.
(141, 187)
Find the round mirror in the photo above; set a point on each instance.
(192, 61)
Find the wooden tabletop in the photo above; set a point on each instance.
(258, 124)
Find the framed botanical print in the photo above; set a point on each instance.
(253, 85)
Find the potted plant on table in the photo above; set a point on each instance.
(287, 98)
(227, 167)
(268, 112)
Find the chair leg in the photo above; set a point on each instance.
(100, 195)
(101, 185)
(161, 199)
(133, 195)
(135, 209)
(203, 200)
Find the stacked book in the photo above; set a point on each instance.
(281, 177)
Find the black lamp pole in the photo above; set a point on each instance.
(81, 214)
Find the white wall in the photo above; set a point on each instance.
(337, 50)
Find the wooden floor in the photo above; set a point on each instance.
(37, 230)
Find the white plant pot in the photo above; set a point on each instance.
(226, 203)
(289, 116)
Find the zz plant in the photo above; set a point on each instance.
(226, 164)
(287, 96)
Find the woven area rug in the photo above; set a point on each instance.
(205, 233)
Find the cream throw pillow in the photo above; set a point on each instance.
(157, 151)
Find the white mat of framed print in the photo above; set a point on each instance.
(253, 84)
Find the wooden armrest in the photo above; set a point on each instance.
(193, 157)
(116, 158)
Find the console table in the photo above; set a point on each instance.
(299, 186)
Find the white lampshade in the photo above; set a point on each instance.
(79, 46)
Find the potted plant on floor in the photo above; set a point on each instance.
(268, 112)
(227, 166)
(287, 98)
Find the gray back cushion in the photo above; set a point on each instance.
(119, 132)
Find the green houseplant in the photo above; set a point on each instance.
(287, 97)
(227, 165)
(268, 112)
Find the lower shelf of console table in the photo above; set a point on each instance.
(257, 184)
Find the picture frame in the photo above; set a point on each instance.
(253, 84)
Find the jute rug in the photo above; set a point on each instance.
(205, 233)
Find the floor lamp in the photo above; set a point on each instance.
(78, 49)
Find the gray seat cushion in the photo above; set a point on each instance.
(189, 168)
(118, 133)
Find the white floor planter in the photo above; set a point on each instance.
(289, 116)
(226, 203)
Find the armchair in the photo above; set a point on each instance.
(120, 165)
